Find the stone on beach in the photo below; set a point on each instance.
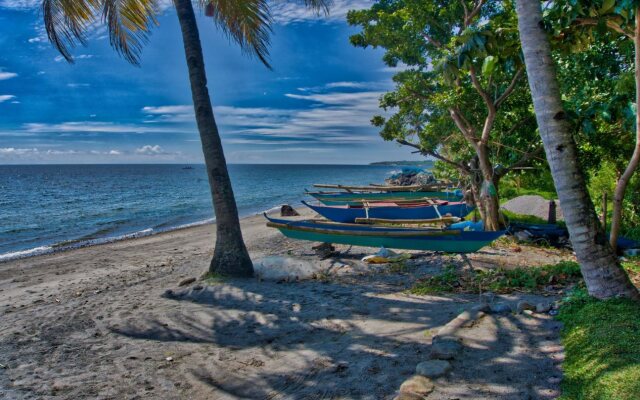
(187, 281)
(288, 211)
(417, 385)
(500, 308)
(543, 307)
(278, 268)
(433, 368)
(524, 305)
(445, 349)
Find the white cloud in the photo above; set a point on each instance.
(6, 97)
(12, 151)
(78, 85)
(98, 127)
(7, 75)
(20, 4)
(346, 85)
(284, 12)
(149, 150)
(114, 153)
(78, 57)
(182, 109)
(334, 118)
(290, 12)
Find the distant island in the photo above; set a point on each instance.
(425, 163)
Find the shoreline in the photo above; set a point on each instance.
(101, 322)
(76, 244)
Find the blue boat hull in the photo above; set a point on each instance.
(332, 199)
(349, 214)
(445, 240)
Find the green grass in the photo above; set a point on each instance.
(526, 219)
(602, 348)
(509, 192)
(498, 280)
(211, 278)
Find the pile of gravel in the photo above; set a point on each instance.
(532, 205)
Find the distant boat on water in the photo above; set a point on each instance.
(187, 167)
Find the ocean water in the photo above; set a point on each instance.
(46, 208)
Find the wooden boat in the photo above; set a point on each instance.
(342, 198)
(455, 239)
(384, 188)
(391, 210)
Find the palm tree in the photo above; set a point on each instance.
(247, 22)
(600, 268)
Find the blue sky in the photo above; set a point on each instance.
(314, 107)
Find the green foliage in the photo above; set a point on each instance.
(521, 218)
(602, 348)
(498, 280)
(444, 53)
(603, 180)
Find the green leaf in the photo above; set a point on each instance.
(607, 6)
(489, 65)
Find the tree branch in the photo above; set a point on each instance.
(463, 168)
(473, 13)
(462, 123)
(526, 157)
(483, 93)
(610, 24)
(432, 40)
(509, 88)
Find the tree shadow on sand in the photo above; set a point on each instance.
(328, 340)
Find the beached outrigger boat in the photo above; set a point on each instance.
(346, 198)
(392, 210)
(385, 188)
(454, 239)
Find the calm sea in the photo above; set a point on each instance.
(44, 208)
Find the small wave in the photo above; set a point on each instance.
(190, 225)
(70, 245)
(26, 253)
(85, 242)
(80, 243)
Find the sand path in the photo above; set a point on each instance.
(95, 323)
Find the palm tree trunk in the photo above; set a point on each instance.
(602, 273)
(230, 256)
(621, 186)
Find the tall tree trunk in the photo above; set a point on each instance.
(621, 186)
(230, 256)
(602, 273)
(489, 191)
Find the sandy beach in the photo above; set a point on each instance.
(98, 323)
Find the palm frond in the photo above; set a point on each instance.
(129, 22)
(246, 22)
(66, 22)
